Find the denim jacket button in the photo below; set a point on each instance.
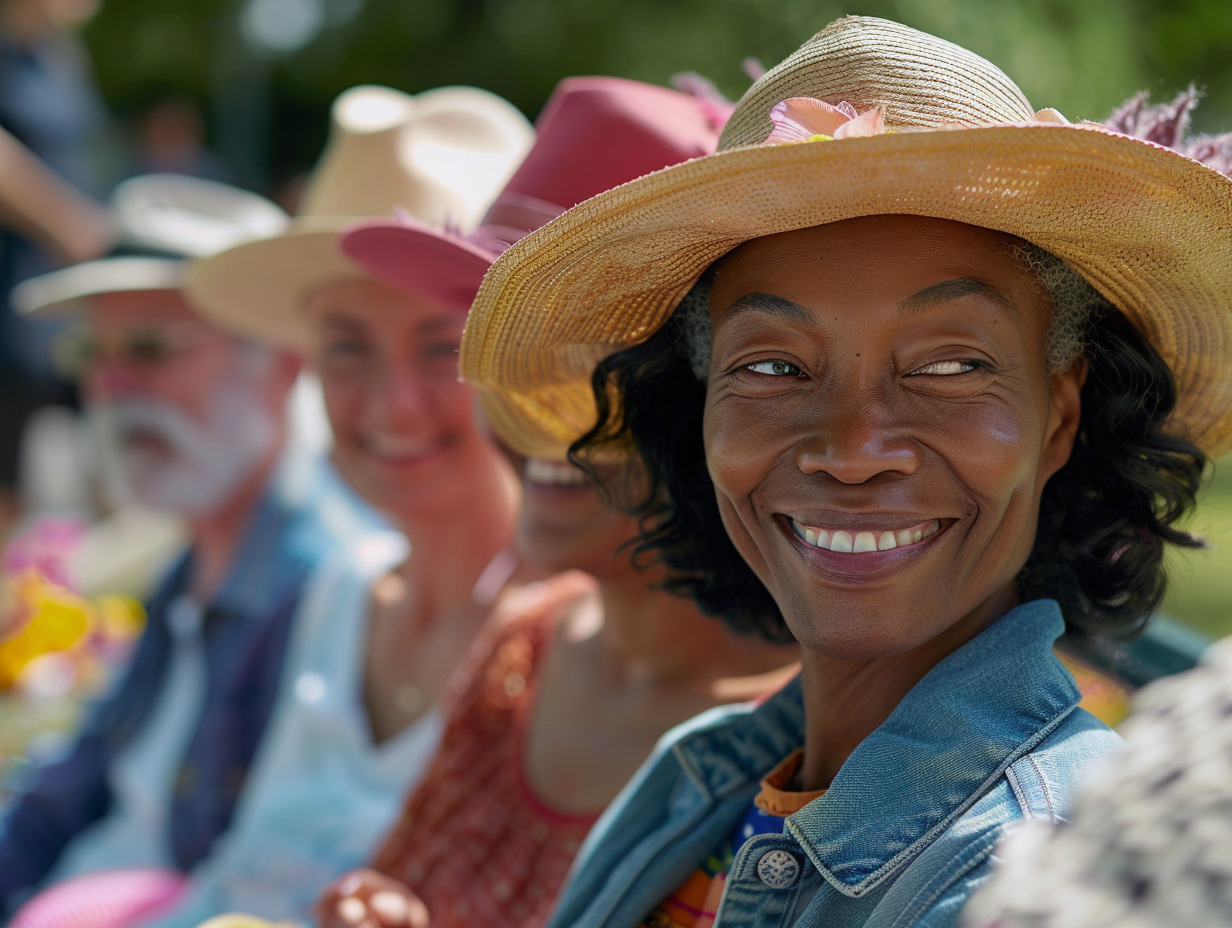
(778, 869)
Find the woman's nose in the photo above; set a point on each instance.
(401, 396)
(855, 440)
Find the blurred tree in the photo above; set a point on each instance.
(266, 70)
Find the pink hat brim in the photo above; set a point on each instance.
(419, 259)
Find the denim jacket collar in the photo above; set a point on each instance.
(1003, 691)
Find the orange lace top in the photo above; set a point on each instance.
(474, 841)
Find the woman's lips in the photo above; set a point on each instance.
(400, 451)
(853, 540)
(541, 472)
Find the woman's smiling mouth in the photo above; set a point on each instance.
(856, 541)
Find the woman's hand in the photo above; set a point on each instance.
(368, 899)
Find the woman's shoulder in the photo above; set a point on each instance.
(503, 661)
(1046, 777)
(1040, 785)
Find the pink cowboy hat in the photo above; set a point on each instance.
(595, 133)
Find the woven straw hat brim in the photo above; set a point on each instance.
(1150, 229)
(258, 289)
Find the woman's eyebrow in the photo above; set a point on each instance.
(949, 290)
(770, 304)
(441, 324)
(331, 319)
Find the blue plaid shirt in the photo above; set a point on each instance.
(305, 514)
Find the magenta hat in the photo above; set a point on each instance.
(595, 133)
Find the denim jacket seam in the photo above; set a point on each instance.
(1020, 794)
(917, 847)
(685, 760)
(1049, 804)
(687, 823)
(911, 912)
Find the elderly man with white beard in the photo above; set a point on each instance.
(194, 420)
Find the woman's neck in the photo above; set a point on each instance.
(654, 640)
(846, 700)
(450, 550)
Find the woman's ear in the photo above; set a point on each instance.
(1064, 415)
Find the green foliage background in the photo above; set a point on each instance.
(1080, 56)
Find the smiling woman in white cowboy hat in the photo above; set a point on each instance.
(920, 376)
(359, 715)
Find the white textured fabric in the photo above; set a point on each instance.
(321, 794)
(1149, 843)
(134, 833)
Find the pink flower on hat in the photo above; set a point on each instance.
(803, 119)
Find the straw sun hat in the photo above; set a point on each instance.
(1149, 228)
(440, 157)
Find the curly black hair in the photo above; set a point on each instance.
(1104, 517)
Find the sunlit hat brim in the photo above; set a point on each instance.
(1149, 228)
(68, 291)
(419, 259)
(260, 289)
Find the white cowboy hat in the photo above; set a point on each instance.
(440, 156)
(161, 221)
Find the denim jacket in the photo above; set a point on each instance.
(989, 736)
(304, 516)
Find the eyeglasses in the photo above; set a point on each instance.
(78, 350)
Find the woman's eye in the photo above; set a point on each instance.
(446, 349)
(343, 349)
(774, 368)
(946, 368)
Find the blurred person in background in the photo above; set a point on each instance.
(170, 139)
(568, 686)
(49, 103)
(37, 204)
(194, 421)
(359, 715)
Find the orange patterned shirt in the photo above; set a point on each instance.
(475, 842)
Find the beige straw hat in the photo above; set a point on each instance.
(440, 157)
(1151, 229)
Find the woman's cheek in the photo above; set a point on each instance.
(738, 462)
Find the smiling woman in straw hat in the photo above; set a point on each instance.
(921, 376)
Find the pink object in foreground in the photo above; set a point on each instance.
(803, 119)
(111, 899)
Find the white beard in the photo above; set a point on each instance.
(203, 463)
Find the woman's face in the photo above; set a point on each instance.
(880, 424)
(565, 523)
(404, 430)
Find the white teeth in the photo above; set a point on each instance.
(554, 473)
(862, 542)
